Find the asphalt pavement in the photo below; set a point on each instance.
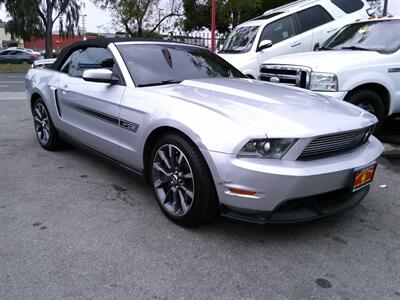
(73, 226)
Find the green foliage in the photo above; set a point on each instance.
(138, 16)
(230, 13)
(36, 18)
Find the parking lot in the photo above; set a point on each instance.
(74, 226)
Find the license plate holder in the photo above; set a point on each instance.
(361, 177)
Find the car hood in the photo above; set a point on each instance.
(274, 110)
(322, 60)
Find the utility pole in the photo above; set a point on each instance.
(385, 8)
(213, 16)
(84, 26)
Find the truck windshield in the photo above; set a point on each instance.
(382, 36)
(164, 63)
(240, 40)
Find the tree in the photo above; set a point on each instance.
(230, 13)
(36, 18)
(140, 17)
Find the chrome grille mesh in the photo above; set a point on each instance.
(330, 144)
(289, 75)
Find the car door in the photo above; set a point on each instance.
(3, 56)
(316, 26)
(283, 35)
(91, 109)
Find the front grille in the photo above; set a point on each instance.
(335, 143)
(290, 75)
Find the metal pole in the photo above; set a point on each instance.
(213, 16)
(385, 8)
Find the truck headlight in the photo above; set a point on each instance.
(323, 82)
(266, 148)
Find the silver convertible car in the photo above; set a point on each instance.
(209, 140)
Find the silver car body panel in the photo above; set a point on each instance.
(219, 115)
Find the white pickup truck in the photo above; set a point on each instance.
(359, 64)
(296, 27)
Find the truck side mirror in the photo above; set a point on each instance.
(264, 45)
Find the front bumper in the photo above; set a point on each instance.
(279, 181)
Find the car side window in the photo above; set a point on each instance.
(348, 6)
(279, 30)
(5, 52)
(90, 58)
(313, 17)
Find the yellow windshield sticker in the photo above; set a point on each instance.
(363, 29)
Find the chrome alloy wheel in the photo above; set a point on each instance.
(173, 180)
(42, 125)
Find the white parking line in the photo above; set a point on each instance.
(5, 96)
(3, 86)
(16, 81)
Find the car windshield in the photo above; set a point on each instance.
(163, 63)
(382, 36)
(240, 40)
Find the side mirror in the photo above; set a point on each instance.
(100, 75)
(264, 45)
(316, 47)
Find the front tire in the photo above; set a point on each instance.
(182, 182)
(46, 133)
(371, 102)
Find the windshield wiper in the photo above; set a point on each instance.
(164, 82)
(356, 48)
(229, 51)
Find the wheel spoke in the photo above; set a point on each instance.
(159, 183)
(187, 191)
(180, 159)
(165, 159)
(36, 118)
(38, 113)
(46, 135)
(161, 169)
(184, 205)
(175, 201)
(166, 196)
(188, 176)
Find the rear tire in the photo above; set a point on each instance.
(46, 133)
(182, 182)
(371, 102)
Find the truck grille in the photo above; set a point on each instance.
(339, 142)
(290, 75)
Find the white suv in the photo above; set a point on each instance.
(359, 64)
(297, 27)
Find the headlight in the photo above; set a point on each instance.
(266, 148)
(323, 82)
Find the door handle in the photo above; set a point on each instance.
(64, 89)
(296, 44)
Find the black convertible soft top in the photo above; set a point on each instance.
(99, 43)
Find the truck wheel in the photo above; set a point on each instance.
(181, 181)
(46, 133)
(371, 102)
